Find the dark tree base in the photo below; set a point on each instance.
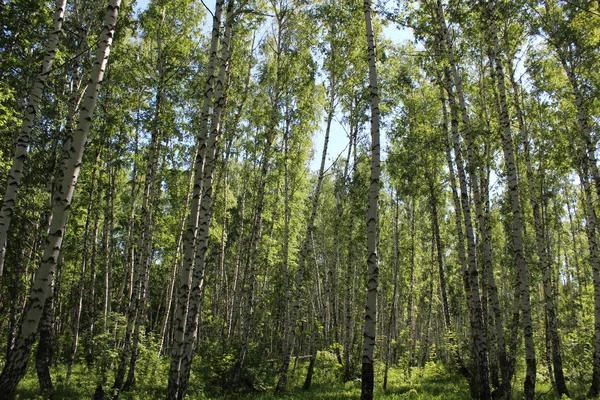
(368, 379)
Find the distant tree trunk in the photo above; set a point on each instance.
(107, 230)
(592, 234)
(393, 321)
(438, 250)
(347, 318)
(588, 148)
(176, 261)
(91, 303)
(290, 333)
(35, 97)
(141, 265)
(15, 368)
(82, 279)
(411, 206)
(372, 220)
(479, 381)
(255, 234)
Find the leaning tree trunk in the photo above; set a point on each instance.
(521, 269)
(14, 177)
(16, 366)
(372, 219)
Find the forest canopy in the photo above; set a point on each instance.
(287, 198)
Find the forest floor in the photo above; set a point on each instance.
(432, 382)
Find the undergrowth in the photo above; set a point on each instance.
(434, 381)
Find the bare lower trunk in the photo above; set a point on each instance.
(45, 350)
(542, 252)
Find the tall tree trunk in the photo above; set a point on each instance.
(82, 279)
(592, 234)
(185, 274)
(176, 261)
(144, 248)
(209, 148)
(35, 97)
(521, 269)
(479, 381)
(15, 368)
(372, 219)
(541, 248)
(393, 321)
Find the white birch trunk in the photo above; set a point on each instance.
(185, 274)
(206, 205)
(372, 219)
(521, 268)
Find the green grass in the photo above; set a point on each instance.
(432, 382)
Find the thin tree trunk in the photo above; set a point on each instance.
(290, 325)
(209, 148)
(82, 276)
(368, 375)
(592, 234)
(480, 382)
(45, 349)
(393, 321)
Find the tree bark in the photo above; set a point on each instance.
(290, 328)
(372, 219)
(209, 148)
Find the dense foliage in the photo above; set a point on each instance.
(221, 237)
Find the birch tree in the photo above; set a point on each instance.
(15, 368)
(21, 148)
(372, 218)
